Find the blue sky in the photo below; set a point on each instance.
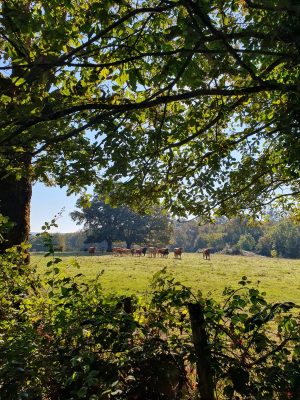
(46, 202)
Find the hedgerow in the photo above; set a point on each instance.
(61, 338)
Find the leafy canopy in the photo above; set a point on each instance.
(103, 222)
(191, 103)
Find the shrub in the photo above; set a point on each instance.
(231, 250)
(246, 242)
(64, 339)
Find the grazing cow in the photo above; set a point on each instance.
(120, 251)
(92, 250)
(178, 252)
(206, 254)
(115, 251)
(138, 252)
(163, 252)
(152, 252)
(58, 248)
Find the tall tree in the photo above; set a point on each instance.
(283, 237)
(191, 103)
(102, 222)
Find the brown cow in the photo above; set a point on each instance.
(58, 248)
(152, 252)
(178, 252)
(206, 254)
(121, 251)
(164, 252)
(138, 252)
(92, 250)
(115, 251)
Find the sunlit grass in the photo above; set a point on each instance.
(280, 278)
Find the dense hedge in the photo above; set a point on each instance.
(62, 339)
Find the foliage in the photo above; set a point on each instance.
(264, 245)
(62, 338)
(248, 336)
(246, 242)
(102, 222)
(283, 238)
(5, 226)
(281, 235)
(194, 104)
(68, 241)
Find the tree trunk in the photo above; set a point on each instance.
(109, 245)
(203, 363)
(15, 196)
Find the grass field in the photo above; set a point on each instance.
(280, 278)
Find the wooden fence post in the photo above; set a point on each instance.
(203, 357)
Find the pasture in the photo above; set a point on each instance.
(279, 278)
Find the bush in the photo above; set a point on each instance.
(64, 339)
(246, 242)
(231, 250)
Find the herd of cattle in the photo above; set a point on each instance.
(152, 252)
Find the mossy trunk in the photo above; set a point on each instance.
(15, 197)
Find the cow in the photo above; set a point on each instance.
(206, 254)
(144, 250)
(92, 250)
(115, 251)
(138, 252)
(58, 248)
(163, 252)
(120, 251)
(152, 252)
(178, 252)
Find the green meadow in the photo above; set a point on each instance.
(279, 278)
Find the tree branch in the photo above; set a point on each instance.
(293, 9)
(116, 24)
(148, 104)
(207, 21)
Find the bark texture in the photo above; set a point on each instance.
(15, 197)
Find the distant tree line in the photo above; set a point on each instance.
(275, 237)
(74, 241)
(106, 226)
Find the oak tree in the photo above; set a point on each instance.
(190, 103)
(103, 222)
